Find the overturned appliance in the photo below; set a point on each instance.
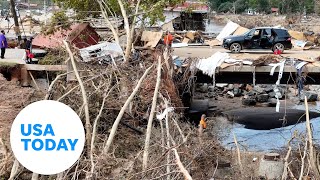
(103, 53)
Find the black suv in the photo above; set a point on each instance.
(259, 38)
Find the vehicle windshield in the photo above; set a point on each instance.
(249, 33)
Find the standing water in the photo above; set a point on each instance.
(266, 140)
(212, 27)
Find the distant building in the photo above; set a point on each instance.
(275, 11)
(191, 15)
(187, 16)
(251, 11)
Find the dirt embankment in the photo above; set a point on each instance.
(294, 22)
(12, 99)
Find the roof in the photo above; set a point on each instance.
(197, 7)
(55, 40)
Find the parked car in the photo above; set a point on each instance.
(259, 38)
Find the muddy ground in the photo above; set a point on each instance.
(13, 98)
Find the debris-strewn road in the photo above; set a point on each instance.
(205, 52)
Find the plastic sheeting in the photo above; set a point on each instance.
(208, 66)
(230, 28)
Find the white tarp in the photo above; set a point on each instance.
(230, 28)
(101, 51)
(208, 66)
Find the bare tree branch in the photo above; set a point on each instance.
(149, 126)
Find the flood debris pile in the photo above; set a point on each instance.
(108, 87)
(224, 62)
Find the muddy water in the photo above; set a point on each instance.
(264, 140)
(212, 27)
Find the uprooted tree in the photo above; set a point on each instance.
(128, 11)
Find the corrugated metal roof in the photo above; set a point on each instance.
(71, 35)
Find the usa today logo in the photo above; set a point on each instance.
(47, 137)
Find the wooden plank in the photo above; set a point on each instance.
(70, 76)
(37, 67)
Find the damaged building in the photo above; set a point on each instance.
(187, 16)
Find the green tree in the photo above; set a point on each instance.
(309, 5)
(263, 6)
(241, 6)
(214, 4)
(225, 7)
(253, 4)
(84, 8)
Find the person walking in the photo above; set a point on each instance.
(3, 44)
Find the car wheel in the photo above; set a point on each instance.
(235, 47)
(278, 46)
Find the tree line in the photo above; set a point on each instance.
(264, 6)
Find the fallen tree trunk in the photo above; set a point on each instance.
(84, 97)
(149, 127)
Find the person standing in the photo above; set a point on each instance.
(3, 43)
(168, 39)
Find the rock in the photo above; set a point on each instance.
(251, 93)
(272, 94)
(230, 94)
(268, 88)
(237, 92)
(248, 87)
(249, 102)
(262, 98)
(259, 89)
(241, 86)
(211, 95)
(211, 88)
(311, 96)
(221, 85)
(230, 86)
(204, 88)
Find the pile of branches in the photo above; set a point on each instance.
(266, 60)
(126, 108)
(108, 89)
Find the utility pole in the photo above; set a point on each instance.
(15, 19)
(45, 11)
